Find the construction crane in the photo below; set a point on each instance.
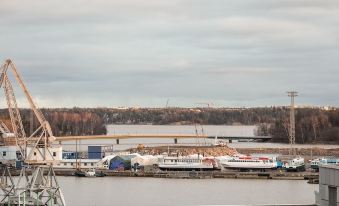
(40, 186)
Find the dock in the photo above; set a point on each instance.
(274, 175)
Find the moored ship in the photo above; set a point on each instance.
(188, 163)
(248, 162)
(295, 165)
(316, 162)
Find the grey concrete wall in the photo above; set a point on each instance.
(328, 177)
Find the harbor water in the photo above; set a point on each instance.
(126, 191)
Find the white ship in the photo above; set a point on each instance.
(249, 163)
(315, 163)
(188, 163)
(295, 165)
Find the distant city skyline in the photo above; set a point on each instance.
(126, 53)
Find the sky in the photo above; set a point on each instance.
(145, 53)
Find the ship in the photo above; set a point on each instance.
(249, 163)
(315, 163)
(187, 163)
(295, 165)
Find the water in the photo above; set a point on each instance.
(125, 191)
(211, 130)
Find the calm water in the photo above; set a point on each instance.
(125, 191)
(154, 192)
(211, 130)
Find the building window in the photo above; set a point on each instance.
(71, 163)
(54, 154)
(4, 153)
(34, 153)
(65, 163)
(92, 164)
(85, 164)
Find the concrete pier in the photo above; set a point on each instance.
(203, 174)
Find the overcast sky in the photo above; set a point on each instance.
(142, 53)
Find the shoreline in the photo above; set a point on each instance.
(269, 175)
(217, 174)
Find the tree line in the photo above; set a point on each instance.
(312, 124)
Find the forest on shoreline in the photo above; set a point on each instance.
(313, 125)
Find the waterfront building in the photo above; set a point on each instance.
(77, 163)
(121, 162)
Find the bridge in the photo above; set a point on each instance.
(262, 138)
(117, 137)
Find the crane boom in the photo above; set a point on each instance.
(41, 137)
(41, 186)
(33, 106)
(18, 128)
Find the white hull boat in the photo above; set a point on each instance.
(186, 163)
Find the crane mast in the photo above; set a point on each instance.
(37, 152)
(18, 128)
(40, 138)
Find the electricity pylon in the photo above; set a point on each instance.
(292, 94)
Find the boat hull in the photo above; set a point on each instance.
(185, 167)
(298, 168)
(79, 173)
(250, 167)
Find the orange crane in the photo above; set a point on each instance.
(36, 152)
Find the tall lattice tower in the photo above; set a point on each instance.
(292, 94)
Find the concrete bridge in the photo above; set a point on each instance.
(262, 138)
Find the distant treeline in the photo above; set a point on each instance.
(312, 124)
(64, 122)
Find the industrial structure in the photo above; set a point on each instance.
(292, 94)
(37, 184)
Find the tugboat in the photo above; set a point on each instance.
(100, 174)
(79, 173)
(295, 165)
(90, 173)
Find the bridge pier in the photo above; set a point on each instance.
(118, 141)
(175, 141)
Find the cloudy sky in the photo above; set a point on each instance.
(142, 53)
